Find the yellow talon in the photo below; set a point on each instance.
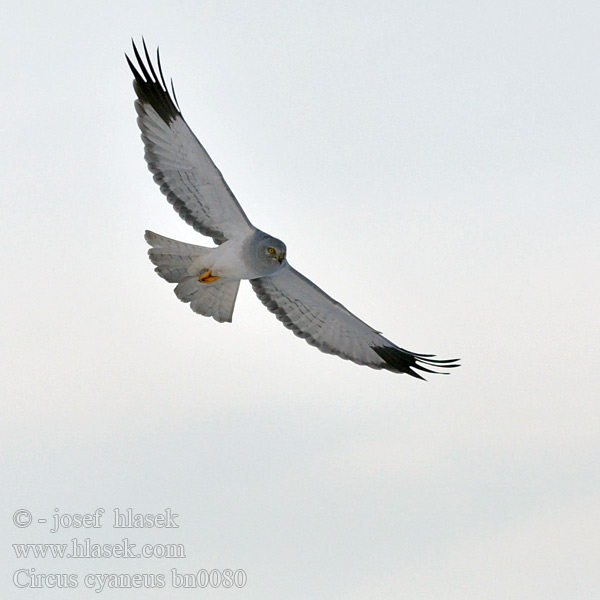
(207, 277)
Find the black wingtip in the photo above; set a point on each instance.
(399, 360)
(151, 87)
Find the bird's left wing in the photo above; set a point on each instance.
(323, 322)
(181, 166)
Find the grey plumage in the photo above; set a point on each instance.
(209, 278)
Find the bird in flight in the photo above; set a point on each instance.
(209, 278)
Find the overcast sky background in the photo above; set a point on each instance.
(432, 165)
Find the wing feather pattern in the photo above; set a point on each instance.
(323, 322)
(180, 164)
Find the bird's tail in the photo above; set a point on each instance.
(173, 262)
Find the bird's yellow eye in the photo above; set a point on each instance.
(271, 250)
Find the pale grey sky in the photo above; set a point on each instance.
(440, 163)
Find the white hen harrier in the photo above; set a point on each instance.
(209, 278)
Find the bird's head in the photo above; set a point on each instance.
(269, 252)
(274, 250)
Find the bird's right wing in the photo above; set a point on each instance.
(181, 166)
(323, 322)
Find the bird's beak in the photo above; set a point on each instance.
(280, 257)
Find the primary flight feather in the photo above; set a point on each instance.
(209, 278)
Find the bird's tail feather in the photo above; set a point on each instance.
(172, 258)
(173, 262)
(216, 299)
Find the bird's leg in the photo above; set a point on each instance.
(207, 277)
